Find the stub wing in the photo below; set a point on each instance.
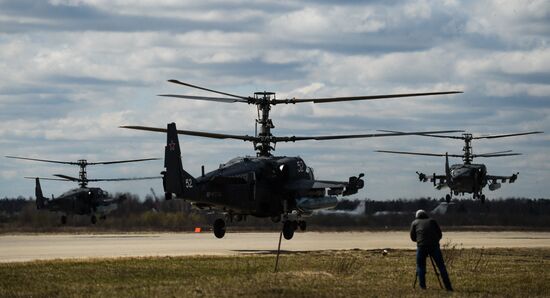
(424, 178)
(117, 200)
(503, 179)
(350, 187)
(439, 181)
(314, 184)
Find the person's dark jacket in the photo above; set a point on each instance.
(425, 232)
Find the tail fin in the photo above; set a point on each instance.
(40, 199)
(176, 180)
(447, 170)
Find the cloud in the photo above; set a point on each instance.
(74, 70)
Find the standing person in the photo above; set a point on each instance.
(426, 233)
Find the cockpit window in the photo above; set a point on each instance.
(231, 162)
(309, 171)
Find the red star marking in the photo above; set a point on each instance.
(172, 146)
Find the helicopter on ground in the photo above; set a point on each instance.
(277, 187)
(467, 177)
(83, 200)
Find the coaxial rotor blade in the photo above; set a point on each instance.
(121, 161)
(495, 155)
(68, 177)
(367, 97)
(418, 153)
(45, 160)
(124, 179)
(429, 135)
(498, 152)
(84, 162)
(478, 137)
(508, 135)
(207, 98)
(45, 178)
(196, 133)
(206, 89)
(354, 136)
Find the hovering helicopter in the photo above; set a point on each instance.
(279, 187)
(83, 200)
(466, 177)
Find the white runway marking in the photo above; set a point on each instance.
(15, 248)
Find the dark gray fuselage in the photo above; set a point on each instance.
(467, 178)
(255, 186)
(82, 201)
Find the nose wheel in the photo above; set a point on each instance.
(481, 197)
(219, 228)
(289, 227)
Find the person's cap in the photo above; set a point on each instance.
(421, 214)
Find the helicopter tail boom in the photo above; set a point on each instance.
(175, 179)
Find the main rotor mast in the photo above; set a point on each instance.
(264, 100)
(83, 181)
(468, 154)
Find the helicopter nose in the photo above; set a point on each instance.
(458, 174)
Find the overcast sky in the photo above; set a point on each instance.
(72, 71)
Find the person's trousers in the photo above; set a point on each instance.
(422, 252)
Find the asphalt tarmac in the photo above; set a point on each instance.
(17, 248)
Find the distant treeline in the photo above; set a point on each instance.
(135, 214)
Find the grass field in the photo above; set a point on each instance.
(474, 272)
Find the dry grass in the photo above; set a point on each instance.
(474, 272)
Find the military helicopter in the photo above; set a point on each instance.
(83, 200)
(466, 177)
(279, 187)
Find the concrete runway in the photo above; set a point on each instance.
(16, 248)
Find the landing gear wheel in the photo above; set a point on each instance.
(303, 225)
(288, 229)
(219, 228)
(482, 198)
(63, 219)
(448, 198)
(94, 219)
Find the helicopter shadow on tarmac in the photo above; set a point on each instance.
(269, 251)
